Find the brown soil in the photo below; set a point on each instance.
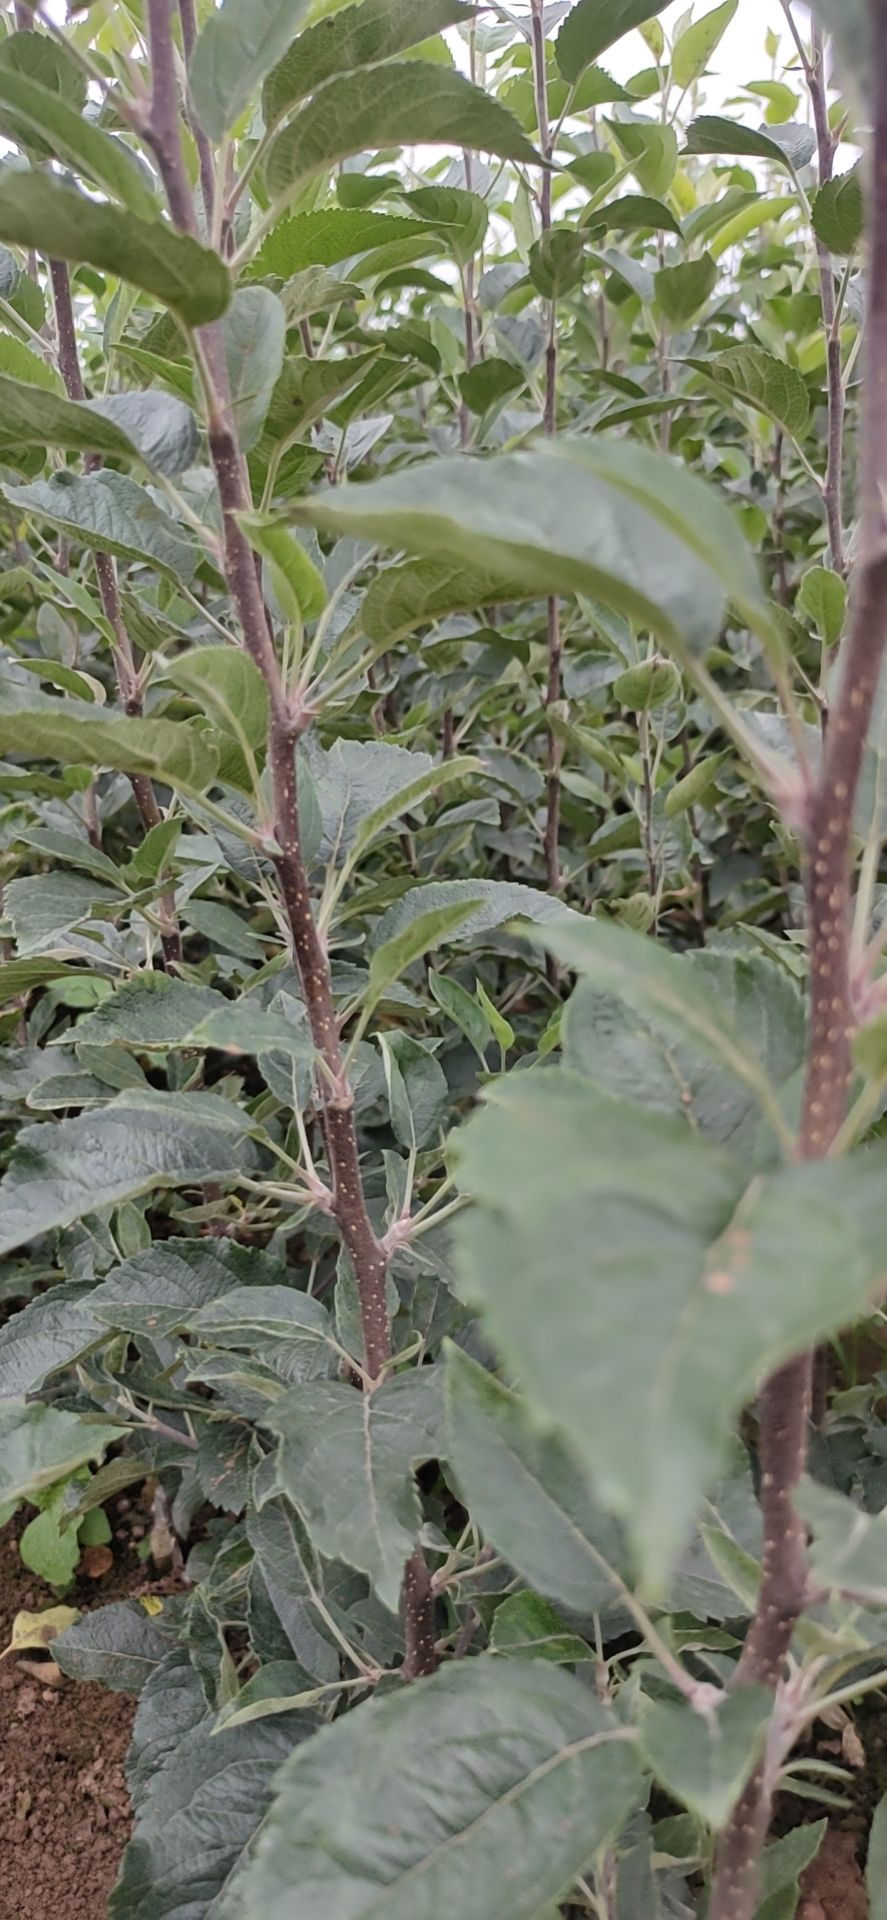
(834, 1888)
(64, 1807)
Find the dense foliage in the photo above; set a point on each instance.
(443, 1064)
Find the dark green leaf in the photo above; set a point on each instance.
(355, 36)
(772, 386)
(71, 732)
(394, 105)
(73, 138)
(839, 214)
(119, 1645)
(112, 514)
(58, 1173)
(36, 212)
(682, 290)
(481, 1792)
(594, 25)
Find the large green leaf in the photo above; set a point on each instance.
(355, 36)
(112, 514)
(327, 235)
(141, 1140)
(74, 733)
(46, 906)
(663, 1311)
(74, 139)
(238, 45)
(525, 1490)
(154, 1011)
(849, 1547)
(292, 1578)
(705, 1759)
(597, 517)
(199, 1801)
(594, 25)
(481, 1792)
(706, 1035)
(36, 212)
(713, 134)
(39, 1445)
(394, 105)
(160, 426)
(160, 1291)
(43, 1337)
(839, 213)
(346, 1462)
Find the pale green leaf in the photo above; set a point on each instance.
(43, 1337)
(604, 518)
(159, 425)
(705, 1759)
(141, 1140)
(822, 599)
(418, 935)
(43, 1444)
(481, 1792)
(298, 583)
(36, 212)
(661, 1313)
(492, 903)
(354, 36)
(694, 47)
(394, 105)
(71, 732)
(849, 1546)
(528, 1627)
(238, 45)
(254, 330)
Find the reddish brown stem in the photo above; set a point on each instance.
(420, 1656)
(828, 844)
(125, 666)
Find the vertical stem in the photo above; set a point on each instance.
(418, 1608)
(204, 156)
(125, 668)
(786, 1398)
(553, 684)
(833, 492)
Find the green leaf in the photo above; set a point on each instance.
(876, 1869)
(420, 934)
(292, 1579)
(362, 786)
(594, 25)
(48, 1552)
(159, 425)
(238, 45)
(525, 1490)
(227, 684)
(772, 386)
(254, 330)
(849, 1547)
(158, 1292)
(491, 903)
(111, 514)
(556, 261)
(75, 140)
(652, 150)
(154, 1011)
(297, 582)
(141, 1140)
(463, 1010)
(394, 105)
(705, 1759)
(43, 1337)
(661, 1312)
(713, 134)
(20, 977)
(481, 387)
(604, 518)
(189, 278)
(419, 592)
(277, 1687)
(528, 1626)
(119, 1646)
(682, 290)
(781, 1867)
(822, 599)
(355, 36)
(199, 1801)
(71, 732)
(635, 212)
(43, 1444)
(482, 1792)
(715, 1034)
(839, 213)
(47, 906)
(694, 47)
(327, 235)
(32, 416)
(347, 1461)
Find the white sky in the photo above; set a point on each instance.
(739, 57)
